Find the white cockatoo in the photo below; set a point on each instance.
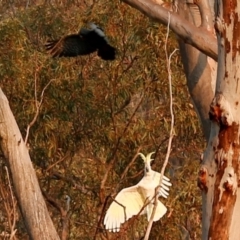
(130, 201)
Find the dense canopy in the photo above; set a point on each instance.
(95, 115)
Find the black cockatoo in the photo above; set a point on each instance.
(85, 42)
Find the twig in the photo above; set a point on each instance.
(65, 219)
(81, 187)
(57, 162)
(27, 4)
(171, 135)
(106, 200)
(101, 217)
(64, 213)
(11, 3)
(52, 201)
(111, 163)
(38, 105)
(128, 166)
(13, 231)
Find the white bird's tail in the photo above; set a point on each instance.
(160, 211)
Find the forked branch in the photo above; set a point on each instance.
(198, 37)
(38, 105)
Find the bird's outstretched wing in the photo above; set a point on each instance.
(129, 202)
(69, 46)
(85, 42)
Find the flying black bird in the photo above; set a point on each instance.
(85, 42)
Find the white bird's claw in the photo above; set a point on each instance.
(163, 193)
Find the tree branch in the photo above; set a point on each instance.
(13, 224)
(171, 133)
(198, 37)
(38, 106)
(64, 213)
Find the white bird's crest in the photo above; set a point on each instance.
(147, 159)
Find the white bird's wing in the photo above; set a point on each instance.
(128, 203)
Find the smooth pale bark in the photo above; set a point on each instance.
(199, 37)
(200, 70)
(30, 200)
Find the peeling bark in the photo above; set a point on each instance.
(32, 205)
(226, 157)
(224, 148)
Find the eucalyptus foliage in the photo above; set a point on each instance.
(95, 114)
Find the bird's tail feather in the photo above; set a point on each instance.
(53, 48)
(160, 211)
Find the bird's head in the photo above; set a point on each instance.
(147, 161)
(97, 29)
(92, 27)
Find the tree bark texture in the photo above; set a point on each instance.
(32, 205)
(219, 174)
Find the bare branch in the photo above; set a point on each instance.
(80, 187)
(111, 163)
(38, 105)
(13, 231)
(171, 133)
(64, 213)
(128, 166)
(57, 162)
(10, 207)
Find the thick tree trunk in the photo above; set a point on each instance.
(220, 169)
(26, 187)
